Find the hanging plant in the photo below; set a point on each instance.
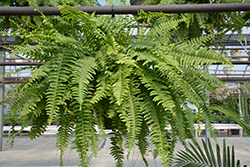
(227, 70)
(94, 70)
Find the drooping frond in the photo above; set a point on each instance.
(134, 114)
(102, 89)
(82, 74)
(120, 87)
(83, 130)
(158, 90)
(64, 134)
(39, 125)
(59, 74)
(155, 116)
(117, 149)
(143, 141)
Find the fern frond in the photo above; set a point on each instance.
(117, 150)
(82, 74)
(59, 74)
(134, 114)
(39, 125)
(143, 141)
(178, 116)
(82, 132)
(157, 90)
(65, 132)
(162, 33)
(120, 87)
(102, 90)
(154, 116)
(193, 57)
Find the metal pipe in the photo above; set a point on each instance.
(19, 63)
(11, 82)
(15, 78)
(231, 75)
(187, 8)
(234, 78)
(2, 72)
(235, 62)
(37, 63)
(225, 79)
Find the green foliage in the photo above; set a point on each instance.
(235, 108)
(198, 157)
(93, 70)
(117, 149)
(234, 116)
(6, 25)
(196, 24)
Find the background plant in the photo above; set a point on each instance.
(197, 24)
(235, 107)
(198, 157)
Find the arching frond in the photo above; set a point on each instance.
(134, 114)
(58, 75)
(120, 87)
(154, 117)
(82, 74)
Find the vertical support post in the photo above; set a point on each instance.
(240, 98)
(2, 72)
(241, 107)
(205, 68)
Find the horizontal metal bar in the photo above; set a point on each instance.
(229, 48)
(37, 63)
(23, 79)
(187, 8)
(234, 78)
(15, 78)
(234, 62)
(231, 75)
(20, 63)
(10, 82)
(236, 57)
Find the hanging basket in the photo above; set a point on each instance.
(236, 53)
(243, 59)
(227, 70)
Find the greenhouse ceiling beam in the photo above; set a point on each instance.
(38, 63)
(231, 75)
(234, 62)
(19, 63)
(233, 79)
(11, 80)
(187, 8)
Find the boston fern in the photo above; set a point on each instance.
(94, 69)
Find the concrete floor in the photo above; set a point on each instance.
(42, 152)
